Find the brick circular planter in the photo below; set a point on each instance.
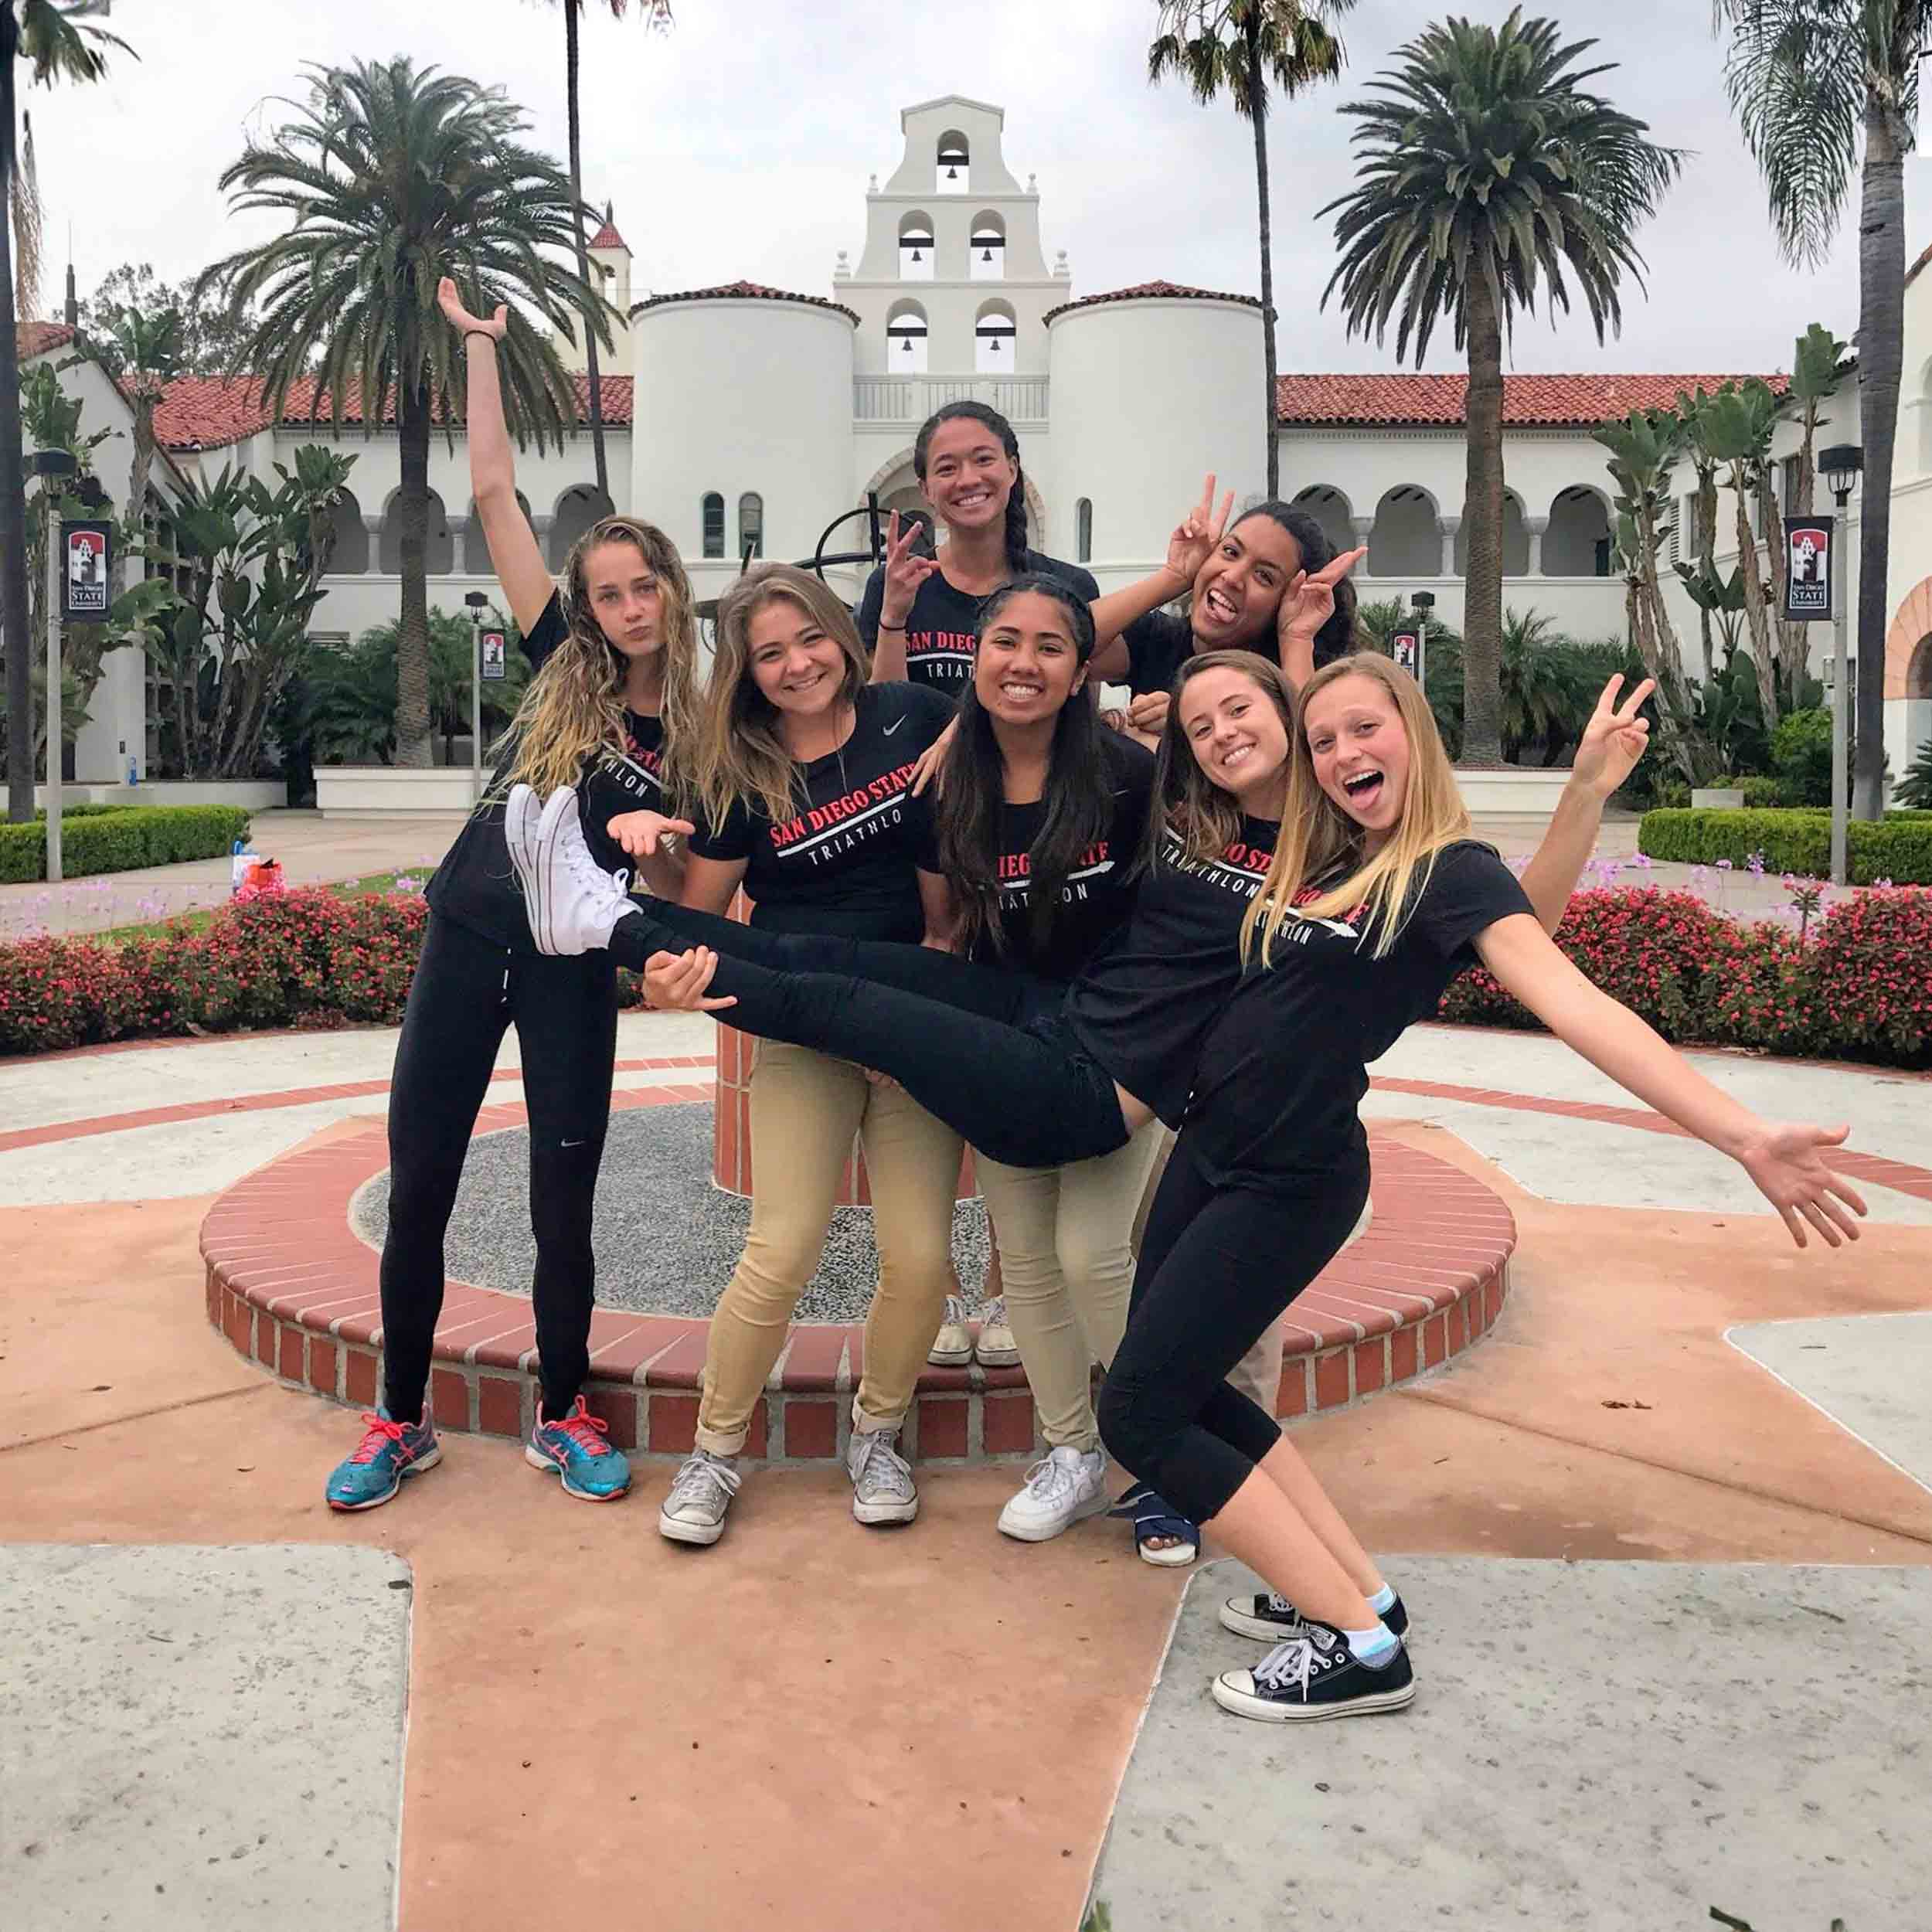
(295, 1290)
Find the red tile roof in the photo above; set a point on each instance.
(1170, 290)
(607, 237)
(1528, 401)
(36, 339)
(742, 291)
(1912, 274)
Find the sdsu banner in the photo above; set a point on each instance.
(87, 560)
(1807, 568)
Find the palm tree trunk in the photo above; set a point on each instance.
(584, 257)
(412, 741)
(1258, 117)
(1757, 616)
(1881, 351)
(13, 483)
(1482, 508)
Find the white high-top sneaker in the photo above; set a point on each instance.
(573, 903)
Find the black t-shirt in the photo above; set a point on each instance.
(1157, 644)
(845, 862)
(1283, 1071)
(943, 625)
(1143, 1006)
(1099, 893)
(474, 885)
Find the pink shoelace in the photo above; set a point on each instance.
(381, 1430)
(587, 1431)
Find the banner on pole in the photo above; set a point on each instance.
(493, 663)
(86, 570)
(1406, 648)
(1807, 568)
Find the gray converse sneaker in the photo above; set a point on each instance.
(1063, 1487)
(952, 1346)
(995, 1348)
(881, 1479)
(572, 903)
(701, 1492)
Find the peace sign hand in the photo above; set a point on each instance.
(1195, 537)
(1308, 602)
(460, 317)
(905, 572)
(1613, 740)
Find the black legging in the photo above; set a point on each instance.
(1217, 1267)
(465, 993)
(987, 1051)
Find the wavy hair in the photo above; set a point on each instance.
(1206, 818)
(1015, 530)
(1322, 859)
(740, 756)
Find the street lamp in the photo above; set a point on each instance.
(1422, 602)
(1839, 466)
(51, 465)
(476, 600)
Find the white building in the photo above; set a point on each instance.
(753, 418)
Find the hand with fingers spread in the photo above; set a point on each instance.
(460, 317)
(1613, 740)
(676, 982)
(642, 833)
(1787, 1163)
(1308, 602)
(1195, 537)
(906, 570)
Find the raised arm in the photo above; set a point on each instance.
(514, 554)
(1306, 605)
(1188, 549)
(906, 570)
(1786, 1161)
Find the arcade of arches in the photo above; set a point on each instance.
(1408, 536)
(363, 544)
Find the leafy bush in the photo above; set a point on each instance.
(1898, 849)
(121, 838)
(1915, 788)
(1802, 757)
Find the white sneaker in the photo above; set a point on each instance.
(995, 1348)
(952, 1346)
(883, 1489)
(573, 903)
(1061, 1488)
(521, 810)
(701, 1492)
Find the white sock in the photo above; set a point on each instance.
(1374, 1647)
(1383, 1601)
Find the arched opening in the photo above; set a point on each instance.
(1578, 543)
(1918, 672)
(986, 249)
(751, 524)
(906, 340)
(1084, 530)
(915, 248)
(577, 509)
(1515, 539)
(476, 548)
(995, 334)
(348, 538)
(439, 552)
(711, 510)
(1330, 509)
(1405, 541)
(953, 172)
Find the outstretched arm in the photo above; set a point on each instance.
(1786, 1161)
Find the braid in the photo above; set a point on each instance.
(1016, 545)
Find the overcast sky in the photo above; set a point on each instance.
(740, 143)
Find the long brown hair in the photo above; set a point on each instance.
(1320, 840)
(575, 703)
(1206, 819)
(740, 757)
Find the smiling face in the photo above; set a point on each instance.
(625, 597)
(797, 665)
(1238, 591)
(1360, 751)
(968, 476)
(1028, 665)
(1236, 737)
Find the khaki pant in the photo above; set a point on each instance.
(1066, 1252)
(805, 1109)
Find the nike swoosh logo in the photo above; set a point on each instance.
(570, 1144)
(893, 727)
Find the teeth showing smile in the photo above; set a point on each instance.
(1360, 785)
(1220, 607)
(1237, 756)
(1020, 693)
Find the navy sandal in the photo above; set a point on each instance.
(1152, 1516)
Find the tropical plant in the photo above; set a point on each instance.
(60, 43)
(207, 339)
(143, 352)
(1488, 170)
(1817, 366)
(1734, 425)
(387, 177)
(1820, 88)
(1915, 788)
(1376, 623)
(1238, 47)
(452, 651)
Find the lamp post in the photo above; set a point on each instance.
(1839, 466)
(476, 600)
(1423, 602)
(50, 464)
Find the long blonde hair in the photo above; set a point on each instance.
(575, 704)
(1319, 839)
(1206, 819)
(739, 755)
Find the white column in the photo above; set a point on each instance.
(1364, 528)
(1536, 526)
(374, 526)
(1446, 528)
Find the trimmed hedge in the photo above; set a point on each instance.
(1798, 840)
(98, 838)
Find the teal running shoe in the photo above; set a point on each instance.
(575, 1448)
(388, 1451)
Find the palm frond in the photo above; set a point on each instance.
(24, 192)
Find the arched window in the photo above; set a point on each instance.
(1330, 509)
(953, 174)
(439, 549)
(1084, 530)
(348, 539)
(986, 252)
(1404, 543)
(994, 335)
(906, 340)
(577, 509)
(1515, 539)
(915, 248)
(713, 509)
(1578, 543)
(751, 524)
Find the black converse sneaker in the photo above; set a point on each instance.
(1269, 1615)
(1314, 1676)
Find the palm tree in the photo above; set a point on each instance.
(145, 353)
(388, 177)
(1486, 170)
(1810, 80)
(1240, 45)
(63, 45)
(657, 13)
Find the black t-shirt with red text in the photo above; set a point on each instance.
(1143, 1006)
(474, 885)
(845, 860)
(942, 628)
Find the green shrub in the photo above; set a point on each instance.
(1900, 850)
(1802, 757)
(121, 838)
(1915, 788)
